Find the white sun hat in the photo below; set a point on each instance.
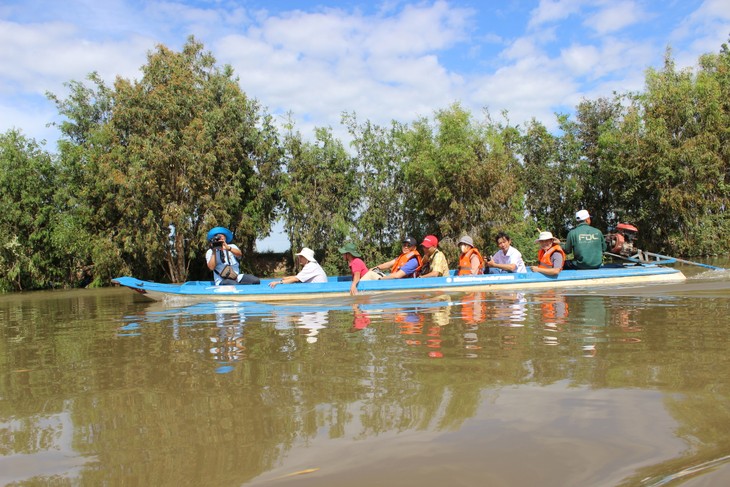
(308, 254)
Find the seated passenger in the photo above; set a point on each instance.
(550, 256)
(434, 261)
(357, 266)
(507, 258)
(222, 258)
(311, 270)
(586, 243)
(470, 260)
(407, 264)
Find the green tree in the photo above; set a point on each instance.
(157, 162)
(463, 176)
(319, 195)
(381, 187)
(681, 198)
(28, 258)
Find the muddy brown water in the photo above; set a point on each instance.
(614, 386)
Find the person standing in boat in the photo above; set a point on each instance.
(222, 258)
(586, 243)
(507, 258)
(471, 261)
(550, 256)
(311, 271)
(407, 264)
(434, 261)
(357, 266)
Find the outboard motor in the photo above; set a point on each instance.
(621, 240)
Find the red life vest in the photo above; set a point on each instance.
(403, 258)
(465, 262)
(543, 256)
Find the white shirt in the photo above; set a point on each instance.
(312, 272)
(227, 259)
(513, 257)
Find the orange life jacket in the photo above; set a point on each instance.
(543, 256)
(465, 262)
(403, 258)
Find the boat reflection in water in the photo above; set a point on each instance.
(593, 388)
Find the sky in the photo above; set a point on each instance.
(388, 60)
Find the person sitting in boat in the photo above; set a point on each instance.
(407, 264)
(550, 256)
(357, 266)
(507, 258)
(434, 261)
(311, 270)
(471, 261)
(222, 258)
(586, 243)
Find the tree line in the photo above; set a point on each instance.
(145, 167)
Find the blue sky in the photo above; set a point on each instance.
(383, 60)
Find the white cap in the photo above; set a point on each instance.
(582, 215)
(308, 254)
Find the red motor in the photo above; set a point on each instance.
(621, 240)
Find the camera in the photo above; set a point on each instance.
(216, 242)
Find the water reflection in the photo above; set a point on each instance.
(467, 384)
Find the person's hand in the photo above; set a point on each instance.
(273, 284)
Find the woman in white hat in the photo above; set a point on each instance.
(311, 270)
(550, 256)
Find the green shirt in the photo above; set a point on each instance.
(587, 245)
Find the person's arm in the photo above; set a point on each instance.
(548, 271)
(385, 265)
(212, 260)
(395, 275)
(284, 280)
(504, 267)
(234, 250)
(353, 286)
(475, 264)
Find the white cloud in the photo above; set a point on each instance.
(553, 10)
(616, 16)
(581, 60)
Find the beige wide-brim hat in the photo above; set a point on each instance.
(308, 254)
(545, 236)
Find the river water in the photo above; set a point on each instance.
(619, 386)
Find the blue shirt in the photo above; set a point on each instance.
(410, 267)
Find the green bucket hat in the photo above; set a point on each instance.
(349, 248)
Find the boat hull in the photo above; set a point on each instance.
(340, 286)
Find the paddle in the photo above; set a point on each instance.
(660, 256)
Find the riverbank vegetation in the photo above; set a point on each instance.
(145, 167)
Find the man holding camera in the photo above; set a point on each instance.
(222, 258)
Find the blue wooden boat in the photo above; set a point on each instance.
(340, 286)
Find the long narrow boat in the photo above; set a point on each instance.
(340, 286)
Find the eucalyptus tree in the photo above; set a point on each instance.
(319, 195)
(176, 152)
(463, 176)
(28, 257)
(682, 157)
(382, 192)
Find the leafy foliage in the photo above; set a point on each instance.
(147, 166)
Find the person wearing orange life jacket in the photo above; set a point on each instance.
(407, 264)
(551, 256)
(470, 260)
